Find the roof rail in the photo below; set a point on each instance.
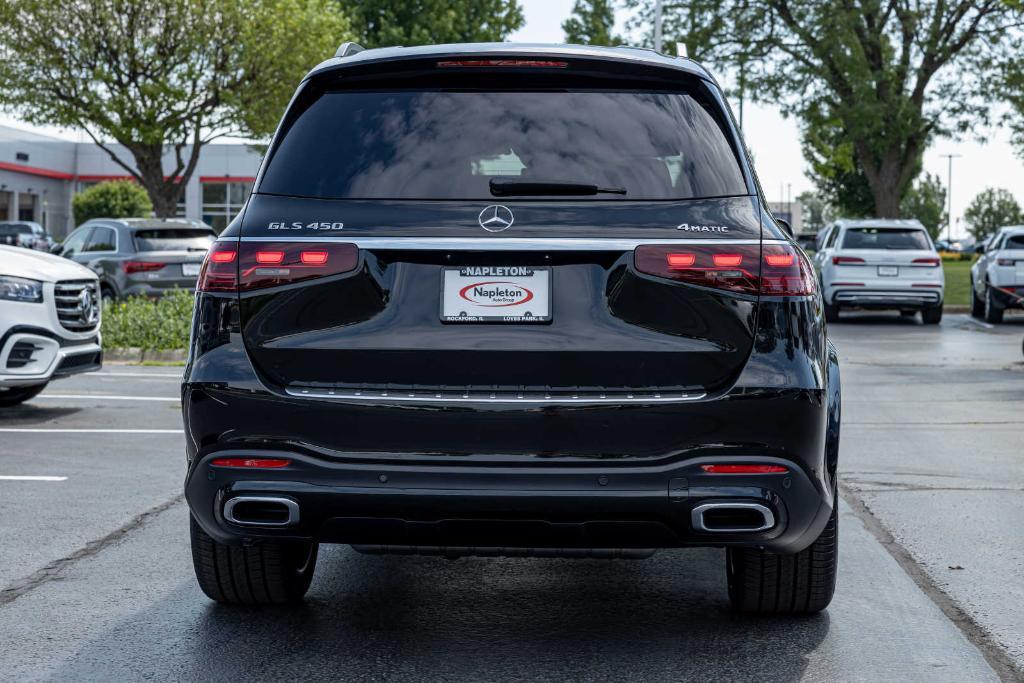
(348, 49)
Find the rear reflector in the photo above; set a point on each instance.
(141, 266)
(744, 469)
(255, 463)
(232, 267)
(930, 262)
(846, 260)
(513, 63)
(780, 271)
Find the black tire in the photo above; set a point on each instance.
(267, 573)
(932, 316)
(977, 305)
(993, 311)
(762, 582)
(12, 396)
(107, 295)
(831, 313)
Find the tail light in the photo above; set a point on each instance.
(846, 260)
(1005, 261)
(247, 266)
(930, 262)
(778, 270)
(256, 463)
(141, 266)
(506, 63)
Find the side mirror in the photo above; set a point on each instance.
(784, 224)
(57, 249)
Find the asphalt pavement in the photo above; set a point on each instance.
(96, 580)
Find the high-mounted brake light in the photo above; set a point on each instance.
(930, 262)
(255, 463)
(513, 63)
(744, 469)
(780, 271)
(141, 266)
(846, 260)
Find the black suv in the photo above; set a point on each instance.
(504, 299)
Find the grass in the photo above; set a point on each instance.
(958, 282)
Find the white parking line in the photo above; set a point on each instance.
(29, 478)
(40, 430)
(137, 374)
(109, 397)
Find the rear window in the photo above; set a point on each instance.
(1014, 242)
(15, 229)
(173, 239)
(885, 238)
(439, 144)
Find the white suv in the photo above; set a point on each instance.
(997, 277)
(49, 322)
(880, 264)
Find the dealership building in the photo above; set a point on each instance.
(40, 174)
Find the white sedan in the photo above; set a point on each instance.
(880, 264)
(49, 322)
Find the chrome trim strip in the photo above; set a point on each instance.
(405, 397)
(697, 517)
(291, 505)
(506, 243)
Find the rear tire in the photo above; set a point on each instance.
(831, 313)
(932, 316)
(993, 311)
(267, 573)
(12, 396)
(762, 582)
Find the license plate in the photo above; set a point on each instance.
(508, 294)
(190, 269)
(888, 271)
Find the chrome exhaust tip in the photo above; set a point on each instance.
(732, 518)
(264, 511)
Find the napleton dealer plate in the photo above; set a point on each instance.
(513, 294)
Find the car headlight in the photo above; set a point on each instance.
(20, 289)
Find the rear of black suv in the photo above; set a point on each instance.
(509, 300)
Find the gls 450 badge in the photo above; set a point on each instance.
(299, 225)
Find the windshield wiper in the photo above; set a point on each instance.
(504, 187)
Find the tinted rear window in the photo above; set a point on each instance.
(173, 239)
(1014, 242)
(885, 238)
(14, 229)
(438, 144)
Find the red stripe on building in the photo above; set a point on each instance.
(33, 170)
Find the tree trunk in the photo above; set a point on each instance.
(164, 192)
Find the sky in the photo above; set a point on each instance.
(775, 140)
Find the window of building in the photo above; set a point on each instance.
(222, 201)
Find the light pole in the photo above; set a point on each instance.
(949, 195)
(657, 25)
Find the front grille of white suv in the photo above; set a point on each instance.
(68, 299)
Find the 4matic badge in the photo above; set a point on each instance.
(299, 225)
(693, 227)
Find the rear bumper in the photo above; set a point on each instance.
(560, 507)
(887, 298)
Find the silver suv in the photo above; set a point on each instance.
(997, 277)
(140, 256)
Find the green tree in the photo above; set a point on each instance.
(161, 77)
(990, 210)
(893, 74)
(112, 199)
(817, 211)
(832, 166)
(926, 201)
(384, 23)
(592, 23)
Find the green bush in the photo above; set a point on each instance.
(150, 324)
(111, 199)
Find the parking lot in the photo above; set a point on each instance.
(97, 578)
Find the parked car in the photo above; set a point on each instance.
(997, 277)
(483, 301)
(49, 322)
(26, 234)
(140, 256)
(807, 240)
(880, 264)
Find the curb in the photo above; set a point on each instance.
(137, 355)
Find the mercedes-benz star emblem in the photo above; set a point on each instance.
(496, 218)
(87, 311)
